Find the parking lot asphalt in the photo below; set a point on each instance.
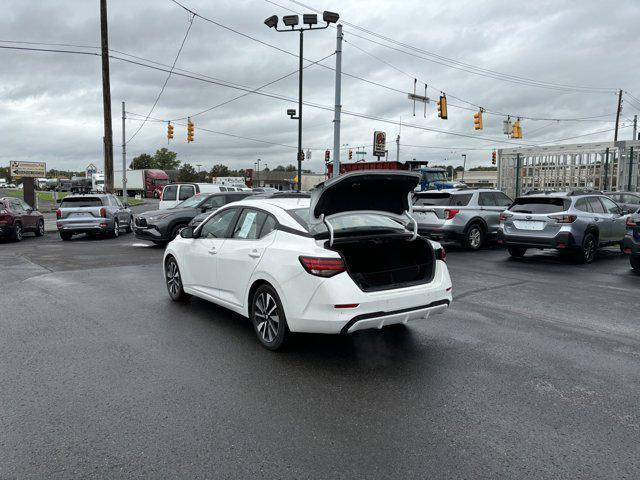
(534, 372)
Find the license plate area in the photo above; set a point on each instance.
(534, 225)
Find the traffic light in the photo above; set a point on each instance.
(350, 154)
(169, 131)
(477, 120)
(516, 131)
(442, 107)
(493, 157)
(190, 130)
(301, 155)
(327, 155)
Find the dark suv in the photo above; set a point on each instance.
(631, 242)
(17, 217)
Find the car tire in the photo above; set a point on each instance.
(268, 318)
(129, 228)
(634, 260)
(17, 232)
(115, 233)
(517, 252)
(587, 252)
(173, 279)
(66, 236)
(473, 237)
(40, 228)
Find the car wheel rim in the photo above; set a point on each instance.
(41, 228)
(173, 279)
(18, 232)
(474, 237)
(116, 229)
(267, 318)
(589, 249)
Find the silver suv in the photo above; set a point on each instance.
(93, 214)
(469, 216)
(576, 222)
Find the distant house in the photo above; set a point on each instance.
(285, 180)
(479, 178)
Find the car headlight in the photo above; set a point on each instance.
(155, 218)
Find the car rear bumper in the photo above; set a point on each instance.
(441, 232)
(337, 305)
(630, 246)
(560, 241)
(97, 225)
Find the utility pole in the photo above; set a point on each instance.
(124, 156)
(630, 168)
(615, 135)
(338, 106)
(464, 164)
(635, 127)
(106, 99)
(398, 142)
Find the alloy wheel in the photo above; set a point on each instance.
(116, 229)
(474, 237)
(40, 228)
(18, 232)
(267, 317)
(174, 284)
(589, 249)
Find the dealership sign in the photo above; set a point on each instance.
(379, 144)
(28, 169)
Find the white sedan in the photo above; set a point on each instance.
(346, 259)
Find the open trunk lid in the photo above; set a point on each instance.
(381, 193)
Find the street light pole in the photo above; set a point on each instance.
(300, 114)
(464, 165)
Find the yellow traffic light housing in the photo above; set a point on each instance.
(350, 154)
(477, 120)
(190, 130)
(169, 131)
(516, 132)
(442, 107)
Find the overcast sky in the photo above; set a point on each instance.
(51, 104)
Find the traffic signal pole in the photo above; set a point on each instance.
(300, 115)
(124, 156)
(615, 135)
(338, 106)
(106, 99)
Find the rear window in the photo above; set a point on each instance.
(540, 205)
(71, 202)
(350, 223)
(443, 199)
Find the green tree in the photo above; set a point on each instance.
(166, 159)
(187, 173)
(220, 171)
(483, 169)
(279, 168)
(291, 168)
(143, 160)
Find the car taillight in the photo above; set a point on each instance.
(630, 222)
(563, 218)
(103, 212)
(58, 214)
(441, 254)
(449, 213)
(322, 267)
(504, 216)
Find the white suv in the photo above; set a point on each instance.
(342, 261)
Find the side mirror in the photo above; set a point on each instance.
(187, 232)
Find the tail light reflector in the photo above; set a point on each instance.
(449, 213)
(441, 254)
(347, 305)
(563, 218)
(322, 267)
(103, 212)
(504, 216)
(58, 214)
(631, 222)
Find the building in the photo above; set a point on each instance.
(285, 180)
(600, 166)
(480, 178)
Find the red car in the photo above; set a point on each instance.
(17, 217)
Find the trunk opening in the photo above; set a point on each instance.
(384, 263)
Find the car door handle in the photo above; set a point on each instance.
(254, 254)
(212, 251)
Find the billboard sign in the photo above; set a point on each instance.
(379, 144)
(28, 169)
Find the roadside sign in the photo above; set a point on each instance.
(379, 144)
(308, 154)
(28, 169)
(90, 170)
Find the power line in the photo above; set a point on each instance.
(166, 80)
(583, 135)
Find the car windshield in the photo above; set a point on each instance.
(191, 201)
(540, 205)
(79, 202)
(434, 176)
(354, 223)
(158, 181)
(442, 199)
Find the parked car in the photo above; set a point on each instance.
(631, 242)
(228, 198)
(93, 214)
(338, 262)
(17, 218)
(572, 222)
(265, 189)
(175, 193)
(468, 216)
(162, 226)
(628, 200)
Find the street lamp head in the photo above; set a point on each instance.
(272, 21)
(291, 112)
(330, 17)
(310, 19)
(290, 20)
